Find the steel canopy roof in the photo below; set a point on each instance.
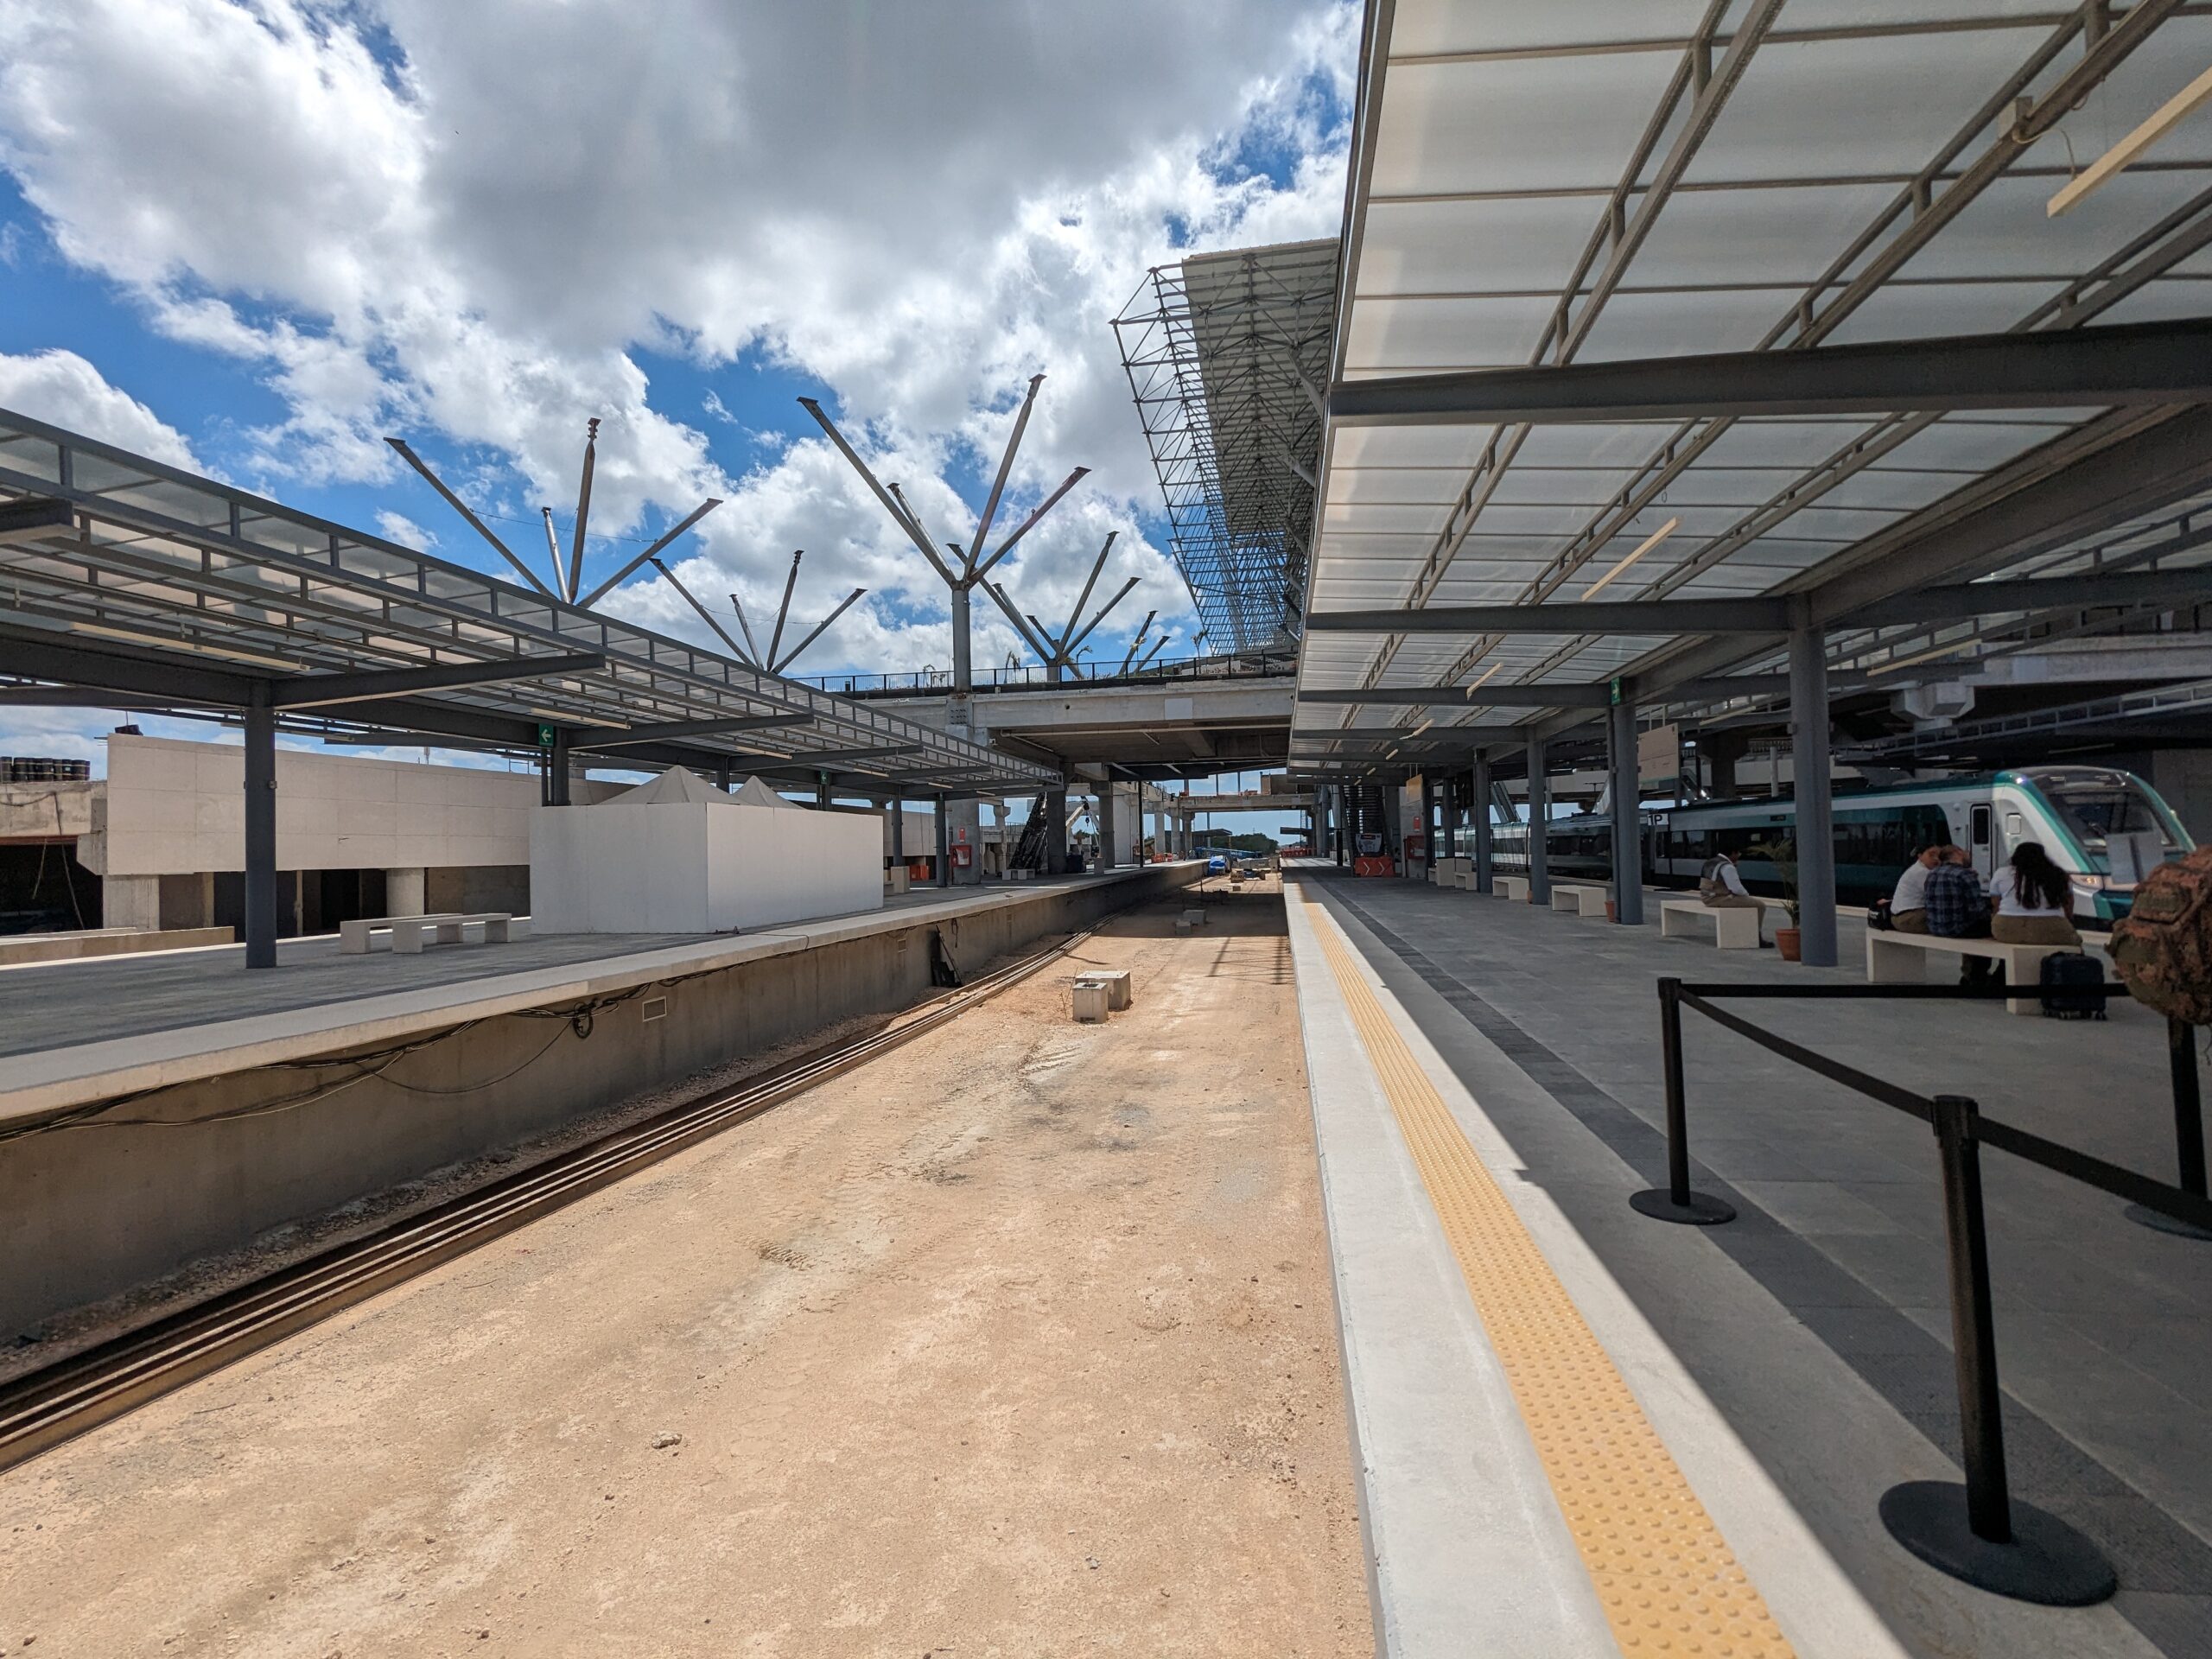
(1588, 181)
(182, 581)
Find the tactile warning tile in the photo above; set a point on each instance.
(1667, 1581)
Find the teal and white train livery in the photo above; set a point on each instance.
(2076, 812)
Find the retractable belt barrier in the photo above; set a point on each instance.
(1977, 1532)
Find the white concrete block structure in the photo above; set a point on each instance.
(676, 855)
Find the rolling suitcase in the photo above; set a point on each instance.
(2073, 987)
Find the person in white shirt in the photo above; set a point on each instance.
(1909, 903)
(1720, 886)
(2034, 900)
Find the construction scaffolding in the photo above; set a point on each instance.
(1227, 355)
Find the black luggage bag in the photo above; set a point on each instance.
(2073, 987)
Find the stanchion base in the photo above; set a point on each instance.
(1701, 1211)
(2163, 1224)
(2047, 1563)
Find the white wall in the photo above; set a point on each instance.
(177, 808)
(698, 867)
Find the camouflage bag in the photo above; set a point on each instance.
(2163, 948)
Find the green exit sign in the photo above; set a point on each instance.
(1617, 688)
(544, 736)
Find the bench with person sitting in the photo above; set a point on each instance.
(2021, 920)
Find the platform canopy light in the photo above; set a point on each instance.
(2168, 116)
(1641, 548)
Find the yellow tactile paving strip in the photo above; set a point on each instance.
(1666, 1579)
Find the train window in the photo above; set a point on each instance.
(1980, 826)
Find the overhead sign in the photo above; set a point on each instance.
(1659, 755)
(545, 735)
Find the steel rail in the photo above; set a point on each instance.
(42, 1408)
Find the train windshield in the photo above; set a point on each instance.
(2094, 805)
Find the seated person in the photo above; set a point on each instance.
(2035, 901)
(1720, 886)
(1909, 903)
(1957, 909)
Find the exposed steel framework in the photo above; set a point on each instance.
(1227, 355)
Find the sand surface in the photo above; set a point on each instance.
(1017, 1341)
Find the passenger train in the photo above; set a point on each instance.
(2072, 810)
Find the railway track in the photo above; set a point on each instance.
(42, 1408)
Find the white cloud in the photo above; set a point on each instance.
(398, 527)
(467, 220)
(62, 389)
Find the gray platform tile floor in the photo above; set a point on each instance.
(55, 1004)
(2104, 1339)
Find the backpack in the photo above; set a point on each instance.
(2073, 987)
(2162, 948)
(1878, 916)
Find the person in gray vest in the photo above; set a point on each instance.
(1720, 886)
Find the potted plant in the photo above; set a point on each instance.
(1782, 854)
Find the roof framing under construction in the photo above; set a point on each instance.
(126, 583)
(1227, 355)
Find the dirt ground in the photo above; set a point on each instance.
(1018, 1341)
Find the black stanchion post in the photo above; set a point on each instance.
(1677, 1203)
(2189, 1130)
(1978, 1532)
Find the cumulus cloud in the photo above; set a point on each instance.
(398, 527)
(472, 220)
(62, 389)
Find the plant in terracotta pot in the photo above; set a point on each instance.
(1782, 854)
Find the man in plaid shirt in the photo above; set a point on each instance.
(1958, 909)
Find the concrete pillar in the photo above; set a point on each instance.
(131, 901)
(261, 828)
(1809, 755)
(1539, 816)
(1480, 807)
(1628, 846)
(1106, 825)
(944, 846)
(405, 892)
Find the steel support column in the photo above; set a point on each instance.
(1816, 834)
(944, 846)
(260, 828)
(1540, 812)
(1628, 846)
(557, 769)
(1480, 807)
(897, 831)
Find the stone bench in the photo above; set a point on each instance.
(1734, 928)
(1580, 897)
(1902, 959)
(1513, 887)
(409, 933)
(1117, 981)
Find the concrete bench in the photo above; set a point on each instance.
(1580, 897)
(1902, 959)
(1457, 872)
(1733, 928)
(408, 932)
(1513, 887)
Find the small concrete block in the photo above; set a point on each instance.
(1117, 981)
(1196, 918)
(1091, 1001)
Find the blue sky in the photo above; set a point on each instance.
(261, 234)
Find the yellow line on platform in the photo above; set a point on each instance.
(1667, 1580)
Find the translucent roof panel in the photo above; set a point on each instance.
(1548, 184)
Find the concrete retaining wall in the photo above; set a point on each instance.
(106, 942)
(86, 1213)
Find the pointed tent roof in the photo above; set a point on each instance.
(678, 786)
(753, 792)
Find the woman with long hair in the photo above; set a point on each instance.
(2035, 901)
